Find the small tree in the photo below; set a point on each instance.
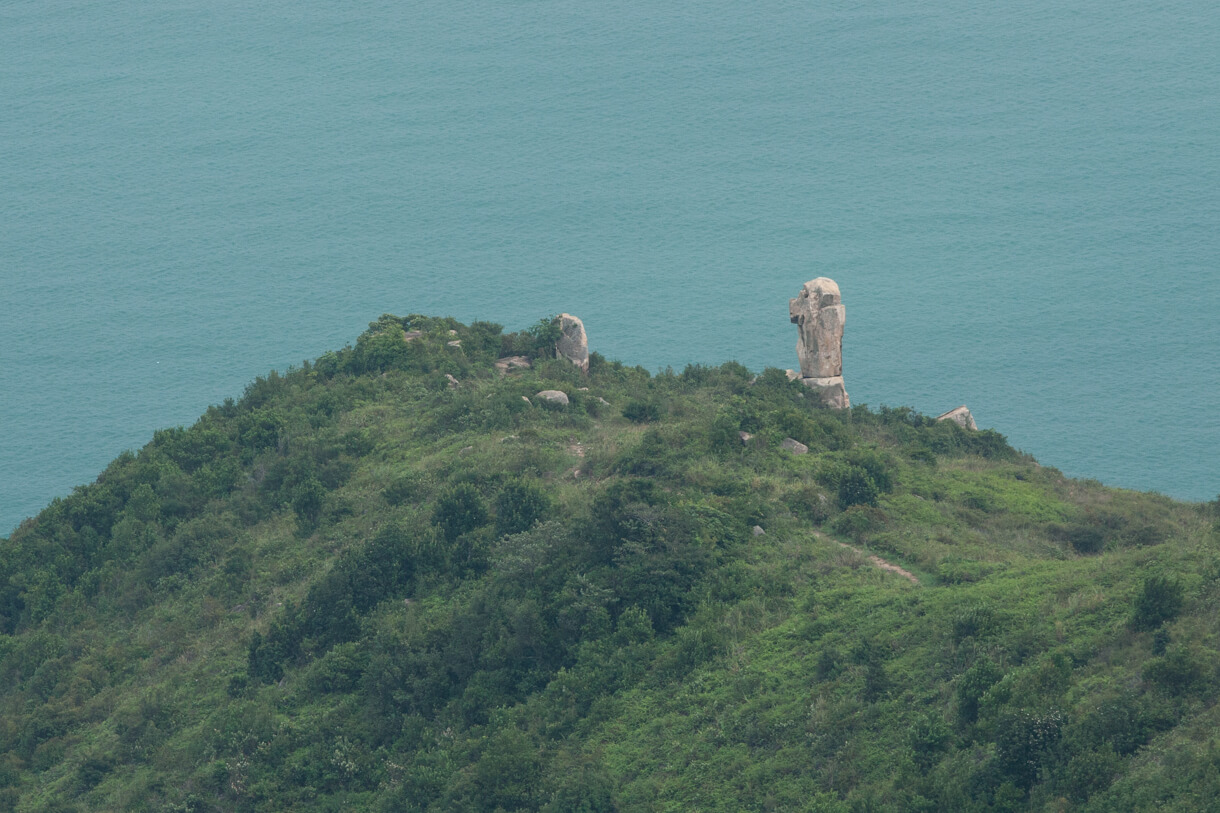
(1023, 740)
(972, 685)
(307, 499)
(1159, 601)
(518, 506)
(856, 487)
(641, 411)
(459, 510)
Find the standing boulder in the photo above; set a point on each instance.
(819, 315)
(573, 344)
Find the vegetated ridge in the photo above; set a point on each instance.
(396, 579)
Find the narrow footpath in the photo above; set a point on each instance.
(877, 561)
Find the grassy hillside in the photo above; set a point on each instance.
(364, 586)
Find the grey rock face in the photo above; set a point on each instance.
(512, 363)
(573, 345)
(553, 397)
(819, 315)
(794, 446)
(831, 390)
(960, 416)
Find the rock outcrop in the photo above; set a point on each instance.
(819, 315)
(573, 344)
(793, 445)
(504, 365)
(555, 397)
(960, 416)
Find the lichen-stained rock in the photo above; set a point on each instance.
(819, 315)
(573, 344)
(794, 446)
(960, 416)
(831, 390)
(555, 397)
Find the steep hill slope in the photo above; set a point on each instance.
(363, 587)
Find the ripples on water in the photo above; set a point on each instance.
(1019, 201)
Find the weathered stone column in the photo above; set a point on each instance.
(573, 345)
(818, 313)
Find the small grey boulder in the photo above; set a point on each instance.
(512, 363)
(553, 397)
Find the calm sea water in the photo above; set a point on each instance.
(1020, 202)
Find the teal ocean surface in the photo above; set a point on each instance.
(1020, 202)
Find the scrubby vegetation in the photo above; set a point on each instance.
(361, 587)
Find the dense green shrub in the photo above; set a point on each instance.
(1089, 772)
(1024, 740)
(1160, 600)
(409, 488)
(307, 500)
(1180, 671)
(929, 736)
(518, 506)
(642, 411)
(1085, 539)
(459, 509)
(169, 642)
(972, 685)
(857, 487)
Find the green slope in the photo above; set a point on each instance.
(363, 588)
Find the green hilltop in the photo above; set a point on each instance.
(394, 579)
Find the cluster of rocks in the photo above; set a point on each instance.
(819, 315)
(573, 345)
(817, 311)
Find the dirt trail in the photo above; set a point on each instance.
(877, 561)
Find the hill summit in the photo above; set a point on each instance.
(396, 578)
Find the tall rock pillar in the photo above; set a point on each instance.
(818, 313)
(573, 344)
